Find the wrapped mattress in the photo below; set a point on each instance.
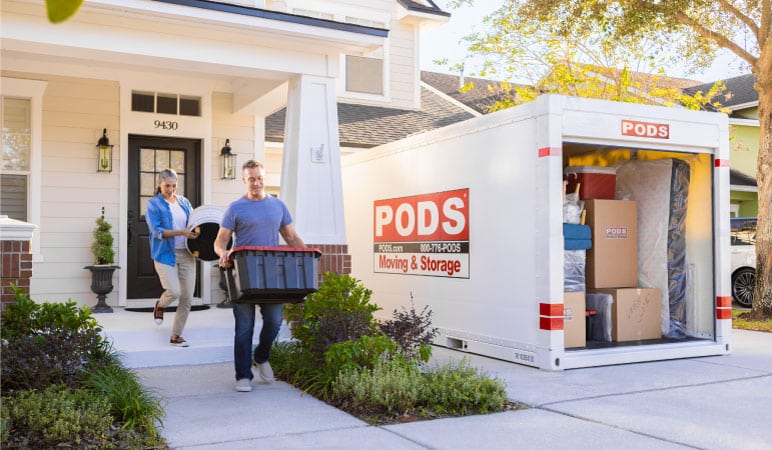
(661, 189)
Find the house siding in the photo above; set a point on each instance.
(75, 110)
(403, 65)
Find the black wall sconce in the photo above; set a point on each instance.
(227, 162)
(104, 153)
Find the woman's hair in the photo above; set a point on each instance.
(165, 175)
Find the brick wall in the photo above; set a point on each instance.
(16, 269)
(335, 258)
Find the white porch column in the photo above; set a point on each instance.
(311, 177)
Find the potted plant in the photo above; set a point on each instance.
(104, 264)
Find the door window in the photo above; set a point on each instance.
(151, 162)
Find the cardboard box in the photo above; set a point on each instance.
(574, 324)
(613, 259)
(635, 313)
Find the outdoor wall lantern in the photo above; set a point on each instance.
(227, 162)
(104, 153)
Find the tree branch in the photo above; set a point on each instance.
(728, 7)
(718, 38)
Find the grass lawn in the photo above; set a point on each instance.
(744, 324)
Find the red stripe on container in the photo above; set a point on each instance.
(549, 151)
(723, 313)
(724, 301)
(721, 163)
(551, 309)
(551, 323)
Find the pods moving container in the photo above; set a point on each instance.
(468, 219)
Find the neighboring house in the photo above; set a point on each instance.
(171, 81)
(742, 101)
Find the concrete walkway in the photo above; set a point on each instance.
(719, 402)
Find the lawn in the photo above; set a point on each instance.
(741, 323)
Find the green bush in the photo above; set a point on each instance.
(388, 388)
(461, 389)
(339, 311)
(47, 343)
(102, 247)
(58, 415)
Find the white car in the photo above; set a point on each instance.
(743, 239)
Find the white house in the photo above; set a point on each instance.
(169, 83)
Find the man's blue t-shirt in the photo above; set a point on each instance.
(256, 222)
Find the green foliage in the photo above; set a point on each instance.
(61, 10)
(391, 389)
(63, 384)
(130, 403)
(612, 50)
(47, 343)
(461, 389)
(340, 356)
(58, 414)
(102, 247)
(339, 311)
(387, 388)
(363, 353)
(412, 330)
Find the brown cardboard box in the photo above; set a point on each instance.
(635, 313)
(574, 325)
(613, 259)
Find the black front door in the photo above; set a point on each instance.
(149, 155)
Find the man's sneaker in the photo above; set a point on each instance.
(266, 372)
(244, 385)
(158, 314)
(178, 341)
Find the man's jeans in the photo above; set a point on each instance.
(244, 314)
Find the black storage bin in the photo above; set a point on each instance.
(273, 274)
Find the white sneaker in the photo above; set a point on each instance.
(266, 372)
(244, 385)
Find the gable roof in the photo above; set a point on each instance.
(482, 95)
(365, 126)
(739, 91)
(430, 7)
(737, 178)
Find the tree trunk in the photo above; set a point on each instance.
(762, 296)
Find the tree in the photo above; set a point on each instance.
(695, 30)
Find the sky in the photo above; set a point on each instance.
(443, 42)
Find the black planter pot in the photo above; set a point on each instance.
(101, 285)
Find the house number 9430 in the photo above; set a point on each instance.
(165, 124)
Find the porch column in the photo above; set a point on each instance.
(311, 176)
(15, 258)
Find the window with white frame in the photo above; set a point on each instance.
(21, 117)
(14, 179)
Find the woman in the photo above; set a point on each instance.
(167, 218)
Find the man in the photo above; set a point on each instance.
(256, 219)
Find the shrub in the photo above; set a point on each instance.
(387, 388)
(102, 247)
(363, 353)
(58, 415)
(339, 311)
(412, 331)
(47, 343)
(461, 389)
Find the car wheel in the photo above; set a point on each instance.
(743, 283)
